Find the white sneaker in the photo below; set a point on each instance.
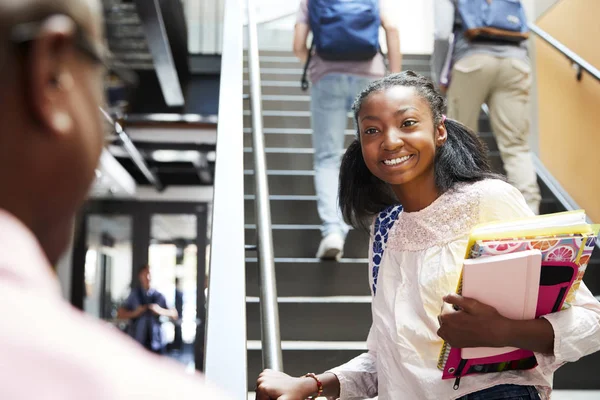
(331, 247)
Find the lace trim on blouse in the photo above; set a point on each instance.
(447, 219)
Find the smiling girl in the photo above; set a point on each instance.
(408, 153)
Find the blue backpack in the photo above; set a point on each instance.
(493, 20)
(343, 30)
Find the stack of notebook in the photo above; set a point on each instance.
(524, 268)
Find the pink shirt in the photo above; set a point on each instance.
(50, 350)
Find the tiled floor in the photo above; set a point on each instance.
(557, 395)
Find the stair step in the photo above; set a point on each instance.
(302, 241)
(300, 119)
(592, 273)
(550, 206)
(283, 184)
(303, 210)
(572, 376)
(301, 160)
(579, 375)
(292, 140)
(410, 56)
(288, 60)
(313, 277)
(288, 138)
(284, 159)
(295, 74)
(288, 119)
(297, 321)
(288, 56)
(283, 102)
(301, 182)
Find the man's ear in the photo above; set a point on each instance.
(49, 76)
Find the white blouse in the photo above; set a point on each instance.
(420, 265)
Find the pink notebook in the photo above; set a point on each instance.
(508, 282)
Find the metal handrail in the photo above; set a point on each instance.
(225, 346)
(133, 152)
(582, 65)
(557, 190)
(269, 312)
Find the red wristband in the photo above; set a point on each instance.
(319, 385)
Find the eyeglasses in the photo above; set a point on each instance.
(27, 32)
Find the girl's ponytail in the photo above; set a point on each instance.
(361, 194)
(463, 158)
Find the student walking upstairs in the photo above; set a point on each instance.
(344, 59)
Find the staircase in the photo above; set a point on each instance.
(324, 306)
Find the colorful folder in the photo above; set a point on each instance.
(565, 241)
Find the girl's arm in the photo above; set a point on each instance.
(475, 324)
(274, 385)
(357, 379)
(471, 323)
(535, 335)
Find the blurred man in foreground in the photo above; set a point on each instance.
(50, 141)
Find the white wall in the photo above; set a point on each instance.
(535, 8)
(205, 25)
(121, 270)
(541, 6)
(415, 18)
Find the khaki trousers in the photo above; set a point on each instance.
(504, 85)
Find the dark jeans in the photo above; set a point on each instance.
(504, 392)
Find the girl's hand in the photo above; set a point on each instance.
(273, 385)
(474, 325)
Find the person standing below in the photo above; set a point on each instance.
(144, 307)
(495, 71)
(337, 78)
(51, 85)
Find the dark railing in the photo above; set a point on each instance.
(133, 152)
(269, 313)
(225, 361)
(579, 62)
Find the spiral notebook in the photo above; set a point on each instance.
(565, 241)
